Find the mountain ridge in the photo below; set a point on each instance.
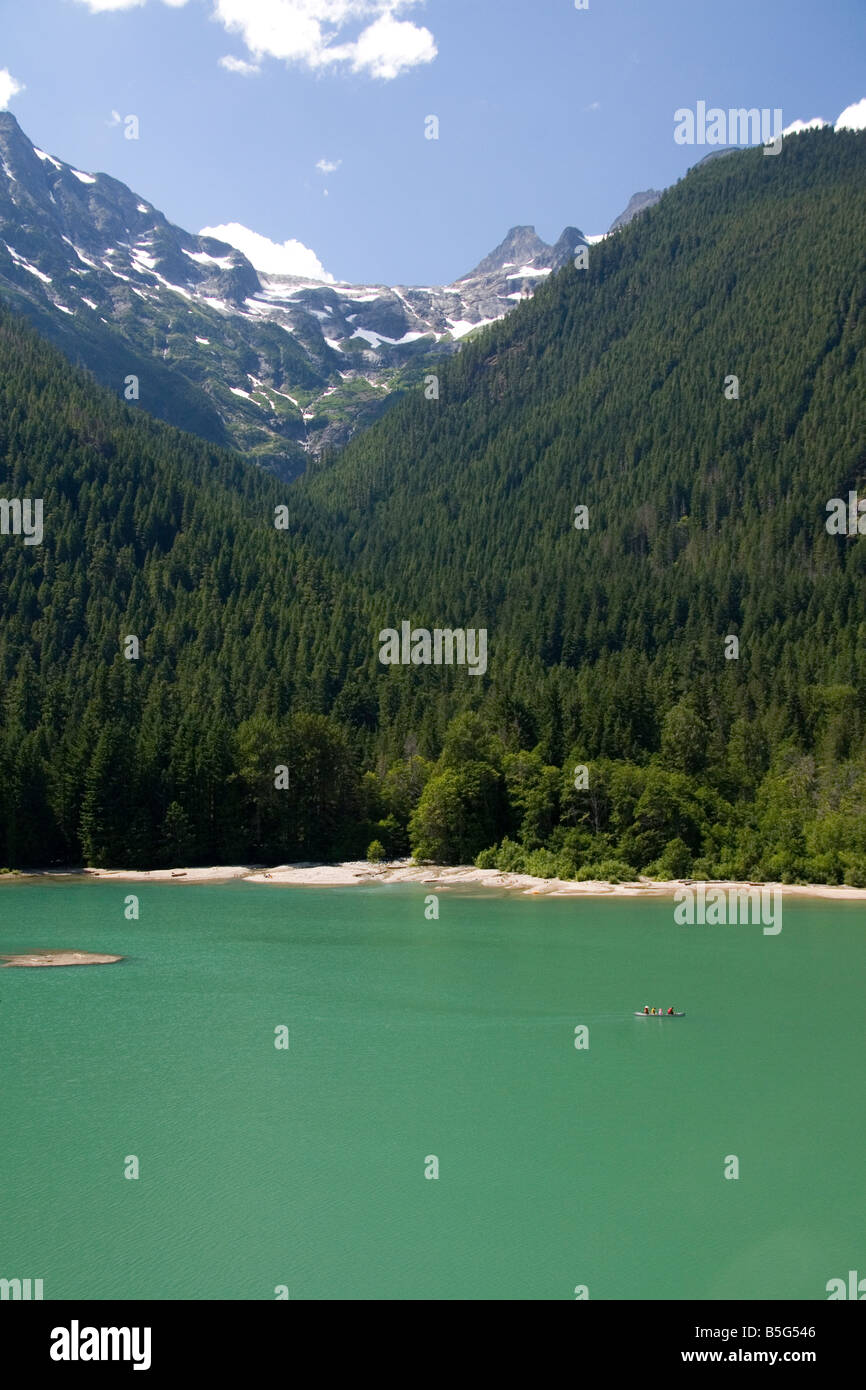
(277, 366)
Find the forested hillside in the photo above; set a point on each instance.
(607, 645)
(148, 532)
(706, 519)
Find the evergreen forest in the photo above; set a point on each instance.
(189, 661)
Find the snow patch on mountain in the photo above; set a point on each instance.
(143, 258)
(526, 272)
(40, 154)
(460, 327)
(25, 264)
(204, 258)
(117, 273)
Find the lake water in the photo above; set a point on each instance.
(411, 1038)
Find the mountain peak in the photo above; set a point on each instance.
(564, 250)
(638, 203)
(521, 246)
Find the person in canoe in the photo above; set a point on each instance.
(646, 1008)
(670, 1011)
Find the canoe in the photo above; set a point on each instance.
(639, 1013)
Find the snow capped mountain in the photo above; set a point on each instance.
(276, 365)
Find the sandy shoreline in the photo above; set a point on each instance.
(359, 872)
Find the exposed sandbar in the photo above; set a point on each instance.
(38, 958)
(171, 875)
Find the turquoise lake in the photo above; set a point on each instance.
(411, 1038)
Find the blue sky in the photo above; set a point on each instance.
(548, 115)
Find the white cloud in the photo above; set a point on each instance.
(328, 166)
(390, 46)
(271, 257)
(308, 32)
(304, 31)
(103, 6)
(8, 88)
(240, 66)
(796, 126)
(853, 117)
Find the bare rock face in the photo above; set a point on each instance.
(638, 203)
